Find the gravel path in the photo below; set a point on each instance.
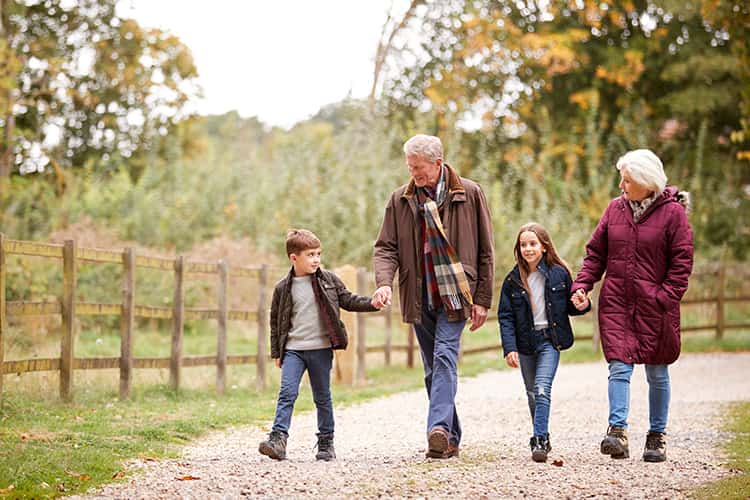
(380, 444)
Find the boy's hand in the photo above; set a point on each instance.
(382, 297)
(512, 359)
(278, 362)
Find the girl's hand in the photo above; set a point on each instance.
(512, 359)
(278, 362)
(582, 305)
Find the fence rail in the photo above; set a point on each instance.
(350, 365)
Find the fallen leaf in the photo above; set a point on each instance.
(557, 463)
(614, 481)
(118, 475)
(187, 478)
(61, 487)
(84, 477)
(150, 459)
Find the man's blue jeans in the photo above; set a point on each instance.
(439, 341)
(538, 371)
(318, 364)
(619, 395)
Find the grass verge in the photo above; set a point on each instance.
(738, 450)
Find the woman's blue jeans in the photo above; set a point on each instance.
(619, 395)
(538, 371)
(318, 364)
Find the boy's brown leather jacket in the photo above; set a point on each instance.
(330, 294)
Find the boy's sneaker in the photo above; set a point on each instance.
(325, 448)
(274, 446)
(615, 443)
(656, 447)
(540, 447)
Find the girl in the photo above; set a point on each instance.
(534, 326)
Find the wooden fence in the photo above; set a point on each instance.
(69, 309)
(350, 364)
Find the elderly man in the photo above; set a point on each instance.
(437, 233)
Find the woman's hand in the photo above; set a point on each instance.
(512, 359)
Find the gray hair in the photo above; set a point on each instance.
(428, 147)
(645, 168)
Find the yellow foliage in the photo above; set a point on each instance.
(585, 98)
(624, 75)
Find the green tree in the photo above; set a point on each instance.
(80, 86)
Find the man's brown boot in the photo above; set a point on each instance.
(437, 443)
(615, 443)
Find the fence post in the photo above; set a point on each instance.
(388, 334)
(67, 344)
(262, 350)
(361, 330)
(346, 360)
(127, 320)
(178, 323)
(3, 321)
(410, 345)
(221, 341)
(720, 300)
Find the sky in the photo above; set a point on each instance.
(278, 60)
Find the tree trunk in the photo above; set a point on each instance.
(385, 46)
(6, 148)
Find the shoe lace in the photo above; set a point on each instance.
(654, 441)
(616, 431)
(323, 444)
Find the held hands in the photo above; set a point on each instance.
(580, 299)
(478, 316)
(512, 359)
(382, 297)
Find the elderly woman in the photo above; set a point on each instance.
(644, 243)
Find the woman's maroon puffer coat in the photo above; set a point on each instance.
(647, 266)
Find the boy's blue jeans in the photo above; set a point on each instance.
(619, 395)
(318, 364)
(439, 341)
(538, 371)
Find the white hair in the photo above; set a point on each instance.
(645, 168)
(428, 147)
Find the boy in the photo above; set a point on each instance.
(305, 328)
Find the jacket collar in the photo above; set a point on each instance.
(542, 267)
(452, 183)
(669, 194)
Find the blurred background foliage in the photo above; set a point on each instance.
(535, 100)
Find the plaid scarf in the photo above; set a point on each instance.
(443, 271)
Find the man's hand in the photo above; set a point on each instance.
(382, 297)
(478, 316)
(512, 359)
(278, 362)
